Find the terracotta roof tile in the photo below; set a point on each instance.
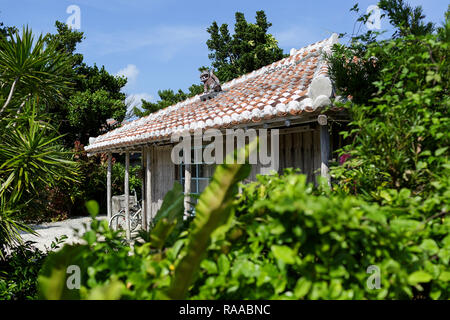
(281, 88)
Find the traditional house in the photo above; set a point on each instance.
(292, 95)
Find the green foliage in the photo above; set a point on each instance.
(10, 228)
(19, 272)
(400, 135)
(66, 40)
(352, 75)
(406, 19)
(355, 69)
(97, 94)
(20, 269)
(292, 241)
(286, 240)
(88, 111)
(30, 158)
(31, 69)
(6, 30)
(248, 49)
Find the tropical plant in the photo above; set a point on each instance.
(33, 76)
(400, 133)
(293, 241)
(10, 228)
(19, 272)
(280, 239)
(28, 69)
(30, 161)
(31, 158)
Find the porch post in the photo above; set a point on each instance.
(108, 187)
(127, 194)
(144, 195)
(148, 189)
(187, 188)
(324, 147)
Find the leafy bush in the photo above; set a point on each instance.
(291, 242)
(19, 271)
(401, 135)
(400, 130)
(283, 240)
(280, 239)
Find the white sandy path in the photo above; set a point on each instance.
(49, 230)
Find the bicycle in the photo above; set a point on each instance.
(118, 221)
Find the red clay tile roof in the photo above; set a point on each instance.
(287, 87)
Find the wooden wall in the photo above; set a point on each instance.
(163, 175)
(298, 148)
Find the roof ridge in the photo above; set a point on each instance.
(240, 78)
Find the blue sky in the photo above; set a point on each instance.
(160, 44)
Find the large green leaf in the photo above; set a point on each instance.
(168, 216)
(52, 281)
(213, 210)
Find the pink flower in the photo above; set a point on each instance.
(343, 158)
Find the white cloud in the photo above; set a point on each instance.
(134, 100)
(131, 72)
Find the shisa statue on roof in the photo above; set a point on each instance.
(210, 82)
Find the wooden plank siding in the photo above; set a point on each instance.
(298, 148)
(163, 175)
(301, 150)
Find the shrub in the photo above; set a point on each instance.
(291, 242)
(19, 271)
(284, 240)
